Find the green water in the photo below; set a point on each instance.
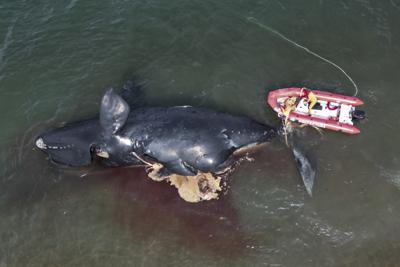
(57, 58)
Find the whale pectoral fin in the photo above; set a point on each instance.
(114, 112)
(180, 167)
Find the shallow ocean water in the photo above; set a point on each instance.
(57, 58)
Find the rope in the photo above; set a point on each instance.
(255, 21)
(141, 159)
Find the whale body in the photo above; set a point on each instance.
(183, 139)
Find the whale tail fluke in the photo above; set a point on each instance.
(303, 164)
(305, 169)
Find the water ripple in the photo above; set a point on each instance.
(6, 43)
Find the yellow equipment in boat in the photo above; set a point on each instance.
(312, 99)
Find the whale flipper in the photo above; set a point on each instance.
(305, 169)
(114, 112)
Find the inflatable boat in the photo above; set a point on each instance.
(317, 108)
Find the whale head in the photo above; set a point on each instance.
(70, 145)
(74, 144)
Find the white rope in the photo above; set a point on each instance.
(255, 21)
(141, 159)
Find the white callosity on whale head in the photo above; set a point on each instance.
(40, 144)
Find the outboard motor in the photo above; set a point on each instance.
(358, 115)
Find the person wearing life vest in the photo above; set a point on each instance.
(312, 99)
(288, 106)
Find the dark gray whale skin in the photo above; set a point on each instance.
(183, 139)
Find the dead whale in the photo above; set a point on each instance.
(192, 148)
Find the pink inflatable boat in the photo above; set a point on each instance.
(330, 111)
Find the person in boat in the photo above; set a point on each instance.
(312, 99)
(289, 105)
(291, 102)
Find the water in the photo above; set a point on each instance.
(56, 59)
